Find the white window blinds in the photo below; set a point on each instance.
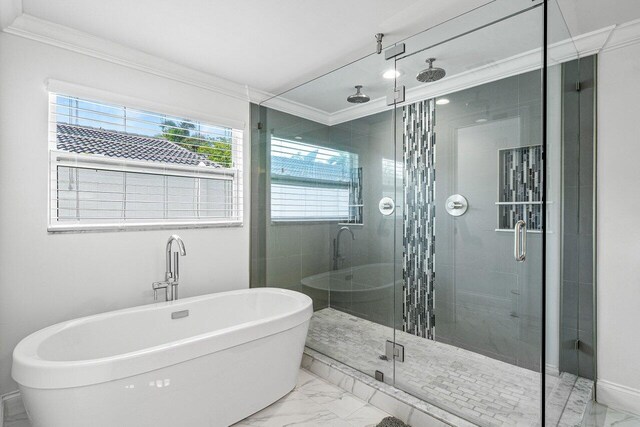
(312, 182)
(113, 166)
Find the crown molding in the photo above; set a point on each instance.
(508, 67)
(298, 109)
(9, 11)
(562, 51)
(43, 31)
(624, 35)
(30, 27)
(559, 52)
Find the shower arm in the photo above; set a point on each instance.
(379, 37)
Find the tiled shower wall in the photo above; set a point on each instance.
(485, 301)
(419, 143)
(520, 192)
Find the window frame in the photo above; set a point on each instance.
(59, 158)
(297, 181)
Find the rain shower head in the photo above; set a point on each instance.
(431, 74)
(358, 97)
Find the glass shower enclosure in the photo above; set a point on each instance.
(418, 220)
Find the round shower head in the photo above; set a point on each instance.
(358, 97)
(431, 74)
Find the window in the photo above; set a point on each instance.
(392, 175)
(314, 183)
(115, 167)
(392, 184)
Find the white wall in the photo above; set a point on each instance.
(47, 278)
(618, 236)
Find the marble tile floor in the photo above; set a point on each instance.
(480, 389)
(325, 393)
(313, 402)
(316, 402)
(601, 416)
(569, 412)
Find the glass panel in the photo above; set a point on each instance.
(330, 162)
(472, 134)
(569, 279)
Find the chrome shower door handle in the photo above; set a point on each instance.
(520, 241)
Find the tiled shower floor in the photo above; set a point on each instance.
(481, 389)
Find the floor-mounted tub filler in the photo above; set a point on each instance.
(209, 360)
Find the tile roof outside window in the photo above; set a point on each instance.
(87, 140)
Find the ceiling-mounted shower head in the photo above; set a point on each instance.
(358, 97)
(431, 74)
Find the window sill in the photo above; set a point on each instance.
(313, 221)
(97, 228)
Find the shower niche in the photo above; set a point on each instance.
(520, 188)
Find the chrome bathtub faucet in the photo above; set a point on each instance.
(172, 274)
(338, 258)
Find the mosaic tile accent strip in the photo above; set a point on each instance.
(419, 144)
(356, 205)
(520, 187)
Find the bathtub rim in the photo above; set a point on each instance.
(30, 370)
(306, 282)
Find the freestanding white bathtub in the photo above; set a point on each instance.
(232, 355)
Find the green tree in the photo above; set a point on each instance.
(176, 133)
(218, 150)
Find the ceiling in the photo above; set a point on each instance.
(584, 16)
(275, 45)
(268, 45)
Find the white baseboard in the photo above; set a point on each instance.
(618, 396)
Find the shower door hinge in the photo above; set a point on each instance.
(394, 51)
(578, 86)
(576, 345)
(397, 96)
(394, 351)
(259, 125)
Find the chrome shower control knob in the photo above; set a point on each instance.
(456, 205)
(386, 206)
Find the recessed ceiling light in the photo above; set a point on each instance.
(391, 74)
(298, 137)
(442, 101)
(481, 120)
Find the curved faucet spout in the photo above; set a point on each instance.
(178, 240)
(337, 256)
(172, 273)
(346, 229)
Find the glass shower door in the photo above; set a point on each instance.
(470, 323)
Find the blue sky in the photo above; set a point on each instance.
(122, 119)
